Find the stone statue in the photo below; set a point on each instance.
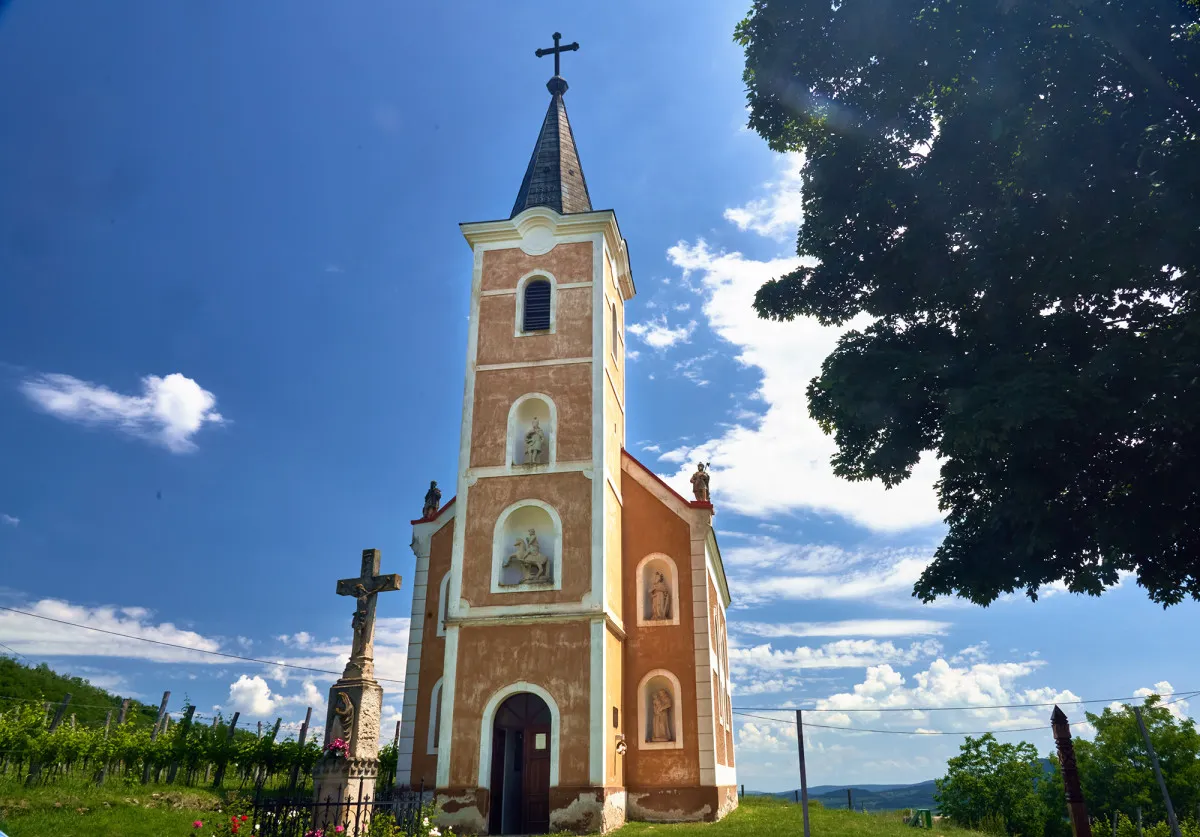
(433, 501)
(534, 566)
(660, 597)
(660, 729)
(343, 719)
(535, 444)
(700, 483)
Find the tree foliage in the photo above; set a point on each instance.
(1115, 771)
(993, 786)
(1009, 191)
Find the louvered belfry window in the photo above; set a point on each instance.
(537, 306)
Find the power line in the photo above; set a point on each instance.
(15, 651)
(1184, 696)
(893, 731)
(185, 647)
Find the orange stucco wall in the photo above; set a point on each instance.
(433, 654)
(572, 335)
(555, 656)
(569, 386)
(649, 526)
(570, 493)
(613, 574)
(503, 269)
(614, 697)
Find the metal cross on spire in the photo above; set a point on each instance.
(557, 50)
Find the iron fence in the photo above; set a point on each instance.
(299, 816)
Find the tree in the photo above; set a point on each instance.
(1003, 199)
(994, 786)
(1115, 771)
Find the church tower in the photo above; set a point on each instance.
(556, 678)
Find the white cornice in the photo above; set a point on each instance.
(538, 228)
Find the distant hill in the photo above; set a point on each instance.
(20, 684)
(873, 797)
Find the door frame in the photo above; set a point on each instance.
(488, 721)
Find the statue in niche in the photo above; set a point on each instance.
(661, 728)
(700, 483)
(660, 597)
(342, 725)
(534, 565)
(535, 444)
(433, 501)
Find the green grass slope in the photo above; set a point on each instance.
(764, 816)
(20, 683)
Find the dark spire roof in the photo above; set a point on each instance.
(554, 178)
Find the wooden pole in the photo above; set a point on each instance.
(162, 713)
(35, 767)
(849, 800)
(184, 727)
(803, 772)
(220, 777)
(1162, 785)
(124, 711)
(295, 777)
(1076, 806)
(1139, 813)
(396, 738)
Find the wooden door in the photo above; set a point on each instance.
(495, 815)
(535, 796)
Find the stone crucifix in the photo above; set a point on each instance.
(363, 589)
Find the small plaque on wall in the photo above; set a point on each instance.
(539, 741)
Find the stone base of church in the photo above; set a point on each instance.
(593, 810)
(691, 804)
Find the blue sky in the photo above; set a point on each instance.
(233, 332)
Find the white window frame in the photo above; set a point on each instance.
(519, 322)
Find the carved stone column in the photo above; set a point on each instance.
(350, 778)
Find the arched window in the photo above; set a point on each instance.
(536, 309)
(660, 711)
(435, 719)
(616, 333)
(443, 604)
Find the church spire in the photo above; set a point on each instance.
(554, 177)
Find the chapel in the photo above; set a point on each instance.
(567, 662)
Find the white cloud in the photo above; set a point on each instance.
(42, 638)
(779, 214)
(170, 410)
(1177, 707)
(846, 627)
(252, 696)
(9, 520)
(845, 653)
(657, 334)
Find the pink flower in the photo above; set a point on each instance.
(340, 829)
(198, 824)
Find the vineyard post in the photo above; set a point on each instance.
(225, 755)
(162, 713)
(183, 731)
(104, 766)
(296, 766)
(124, 711)
(208, 766)
(35, 766)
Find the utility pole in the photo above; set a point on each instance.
(803, 773)
(1162, 785)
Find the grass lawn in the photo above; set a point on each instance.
(764, 816)
(80, 809)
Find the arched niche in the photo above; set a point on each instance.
(659, 690)
(527, 409)
(435, 718)
(650, 590)
(518, 564)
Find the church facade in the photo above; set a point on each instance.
(567, 665)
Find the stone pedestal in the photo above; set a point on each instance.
(344, 787)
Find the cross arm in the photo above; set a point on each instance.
(374, 584)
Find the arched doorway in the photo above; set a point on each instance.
(520, 773)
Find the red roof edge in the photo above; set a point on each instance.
(449, 503)
(695, 504)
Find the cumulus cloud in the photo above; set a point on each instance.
(657, 334)
(846, 653)
(253, 696)
(169, 411)
(1163, 688)
(9, 520)
(777, 460)
(42, 638)
(779, 214)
